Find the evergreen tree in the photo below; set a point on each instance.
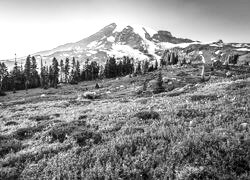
(73, 64)
(66, 69)
(61, 70)
(159, 84)
(145, 67)
(156, 64)
(15, 76)
(172, 58)
(43, 77)
(3, 74)
(27, 71)
(112, 67)
(78, 71)
(55, 72)
(138, 68)
(107, 69)
(35, 80)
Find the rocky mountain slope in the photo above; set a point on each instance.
(135, 41)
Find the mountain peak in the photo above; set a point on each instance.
(119, 39)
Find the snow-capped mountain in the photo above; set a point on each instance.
(135, 41)
(116, 40)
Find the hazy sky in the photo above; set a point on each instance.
(29, 26)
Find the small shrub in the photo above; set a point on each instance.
(40, 118)
(7, 145)
(2, 93)
(158, 86)
(11, 123)
(90, 95)
(25, 133)
(209, 97)
(61, 130)
(9, 173)
(147, 115)
(85, 136)
(237, 86)
(97, 86)
(84, 116)
(56, 115)
(190, 113)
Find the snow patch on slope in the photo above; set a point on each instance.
(124, 50)
(111, 39)
(243, 49)
(167, 45)
(92, 52)
(92, 44)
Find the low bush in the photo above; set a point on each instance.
(214, 155)
(40, 118)
(209, 97)
(11, 123)
(86, 136)
(2, 93)
(25, 133)
(7, 145)
(61, 131)
(9, 173)
(81, 117)
(190, 113)
(147, 115)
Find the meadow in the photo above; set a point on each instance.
(193, 130)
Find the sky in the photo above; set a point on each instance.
(30, 26)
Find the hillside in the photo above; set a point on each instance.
(193, 130)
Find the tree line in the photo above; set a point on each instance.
(69, 71)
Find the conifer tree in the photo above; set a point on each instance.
(27, 72)
(35, 80)
(55, 71)
(112, 67)
(159, 84)
(73, 64)
(61, 70)
(138, 68)
(145, 67)
(78, 71)
(66, 69)
(156, 64)
(3, 75)
(15, 76)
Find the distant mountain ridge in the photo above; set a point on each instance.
(120, 40)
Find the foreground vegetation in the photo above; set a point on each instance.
(192, 130)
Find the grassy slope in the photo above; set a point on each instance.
(202, 132)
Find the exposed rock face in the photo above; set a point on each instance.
(166, 36)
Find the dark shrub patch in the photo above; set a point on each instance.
(7, 144)
(209, 97)
(82, 117)
(8, 173)
(60, 131)
(25, 133)
(237, 86)
(40, 118)
(10, 123)
(85, 136)
(2, 93)
(190, 113)
(147, 115)
(56, 115)
(225, 157)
